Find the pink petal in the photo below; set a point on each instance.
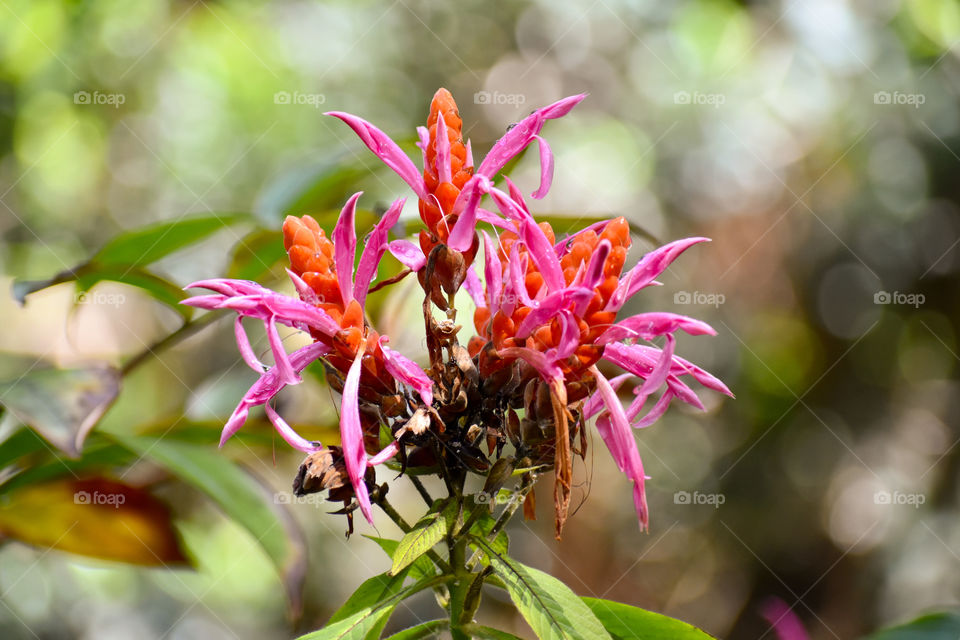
(544, 365)
(474, 287)
(550, 306)
(376, 245)
(468, 164)
(784, 621)
(649, 267)
(564, 245)
(306, 294)
(424, 134)
(492, 273)
(517, 270)
(594, 404)
(618, 437)
(653, 415)
(286, 432)
(541, 250)
(407, 371)
(594, 273)
(385, 149)
(388, 452)
(409, 254)
(345, 246)
(519, 136)
(246, 351)
(660, 372)
(491, 218)
(443, 151)
(351, 436)
(516, 195)
(461, 237)
(268, 385)
(647, 326)
(280, 358)
(546, 169)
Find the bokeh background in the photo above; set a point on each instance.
(816, 142)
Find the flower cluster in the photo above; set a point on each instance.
(547, 315)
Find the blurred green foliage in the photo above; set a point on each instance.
(817, 143)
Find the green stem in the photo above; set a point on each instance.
(185, 331)
(422, 490)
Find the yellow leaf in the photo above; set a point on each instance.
(93, 517)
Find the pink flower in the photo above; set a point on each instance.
(330, 308)
(554, 306)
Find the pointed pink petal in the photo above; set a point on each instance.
(546, 169)
(385, 149)
(519, 136)
(649, 267)
(563, 246)
(594, 403)
(306, 294)
(280, 358)
(388, 452)
(443, 151)
(345, 246)
(474, 287)
(351, 436)
(468, 164)
(407, 371)
(517, 270)
(594, 273)
(546, 367)
(619, 439)
(653, 415)
(660, 372)
(243, 344)
(541, 250)
(516, 195)
(287, 432)
(647, 326)
(492, 273)
(784, 621)
(461, 237)
(409, 254)
(268, 385)
(376, 245)
(550, 306)
(491, 218)
(424, 134)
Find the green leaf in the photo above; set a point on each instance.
(240, 496)
(632, 623)
(419, 569)
(62, 405)
(430, 530)
(550, 608)
(369, 595)
(933, 626)
(430, 629)
(488, 633)
(481, 529)
(149, 244)
(19, 445)
(372, 618)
